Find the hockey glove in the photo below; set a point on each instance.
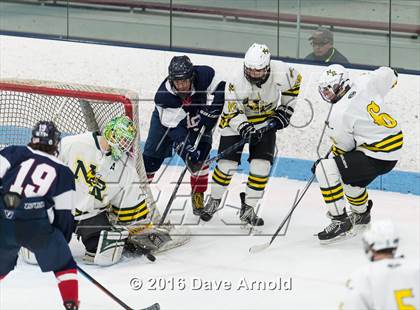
(281, 117)
(248, 132)
(178, 135)
(209, 116)
(186, 151)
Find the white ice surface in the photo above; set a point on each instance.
(220, 253)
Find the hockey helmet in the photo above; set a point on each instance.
(381, 235)
(257, 64)
(120, 133)
(45, 133)
(180, 68)
(334, 83)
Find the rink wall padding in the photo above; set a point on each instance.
(299, 169)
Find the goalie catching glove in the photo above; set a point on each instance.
(147, 236)
(281, 117)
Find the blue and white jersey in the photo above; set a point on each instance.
(176, 111)
(45, 184)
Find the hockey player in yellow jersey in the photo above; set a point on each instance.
(366, 142)
(262, 92)
(112, 209)
(389, 281)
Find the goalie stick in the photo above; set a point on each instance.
(155, 306)
(261, 247)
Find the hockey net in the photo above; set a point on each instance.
(75, 109)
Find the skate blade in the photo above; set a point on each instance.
(252, 230)
(339, 238)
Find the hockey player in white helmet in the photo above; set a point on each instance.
(261, 92)
(388, 282)
(366, 142)
(111, 202)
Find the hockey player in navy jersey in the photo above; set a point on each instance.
(35, 209)
(367, 142)
(180, 113)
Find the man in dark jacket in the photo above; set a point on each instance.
(322, 42)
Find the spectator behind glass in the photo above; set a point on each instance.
(322, 42)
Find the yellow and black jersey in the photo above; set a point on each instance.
(103, 184)
(245, 102)
(362, 121)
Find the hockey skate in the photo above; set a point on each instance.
(360, 221)
(339, 229)
(210, 209)
(197, 201)
(71, 305)
(248, 215)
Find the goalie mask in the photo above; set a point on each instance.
(257, 64)
(334, 83)
(181, 75)
(380, 236)
(120, 133)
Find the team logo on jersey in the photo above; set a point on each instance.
(257, 105)
(91, 178)
(231, 87)
(331, 72)
(351, 95)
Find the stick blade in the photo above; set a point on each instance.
(258, 248)
(155, 306)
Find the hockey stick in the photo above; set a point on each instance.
(235, 146)
(261, 247)
(155, 306)
(181, 177)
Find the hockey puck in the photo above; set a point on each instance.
(150, 257)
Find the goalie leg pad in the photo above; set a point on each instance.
(110, 247)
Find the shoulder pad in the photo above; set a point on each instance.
(203, 77)
(166, 99)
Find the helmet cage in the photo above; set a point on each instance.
(257, 80)
(120, 134)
